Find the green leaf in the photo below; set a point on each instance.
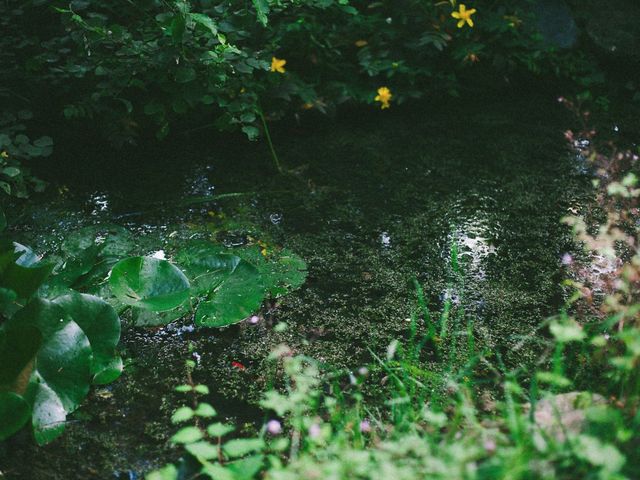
(234, 287)
(168, 472)
(100, 323)
(219, 429)
(202, 450)
(11, 171)
(206, 21)
(149, 283)
(116, 241)
(182, 415)
(246, 468)
(242, 446)
(205, 410)
(281, 271)
(187, 435)
(185, 75)
(567, 330)
(262, 10)
(14, 413)
(43, 142)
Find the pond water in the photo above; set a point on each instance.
(377, 201)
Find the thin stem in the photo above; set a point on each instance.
(274, 155)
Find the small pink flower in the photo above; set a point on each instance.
(567, 259)
(274, 427)
(254, 319)
(365, 426)
(490, 445)
(314, 430)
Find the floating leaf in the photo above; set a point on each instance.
(149, 283)
(282, 271)
(53, 350)
(101, 325)
(233, 287)
(14, 413)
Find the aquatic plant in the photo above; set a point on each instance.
(223, 286)
(51, 351)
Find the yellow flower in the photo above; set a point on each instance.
(277, 64)
(384, 96)
(464, 16)
(361, 43)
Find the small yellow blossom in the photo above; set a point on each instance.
(464, 16)
(307, 106)
(472, 57)
(277, 64)
(361, 43)
(384, 96)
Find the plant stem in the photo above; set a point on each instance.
(274, 155)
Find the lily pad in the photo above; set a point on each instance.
(115, 241)
(233, 288)
(282, 271)
(55, 350)
(149, 283)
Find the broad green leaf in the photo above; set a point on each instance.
(246, 468)
(202, 450)
(149, 283)
(205, 410)
(168, 472)
(115, 240)
(187, 435)
(24, 280)
(233, 287)
(219, 429)
(18, 347)
(14, 413)
(242, 446)
(282, 271)
(262, 10)
(567, 331)
(206, 21)
(64, 343)
(182, 415)
(100, 323)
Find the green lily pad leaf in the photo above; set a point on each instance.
(147, 318)
(100, 323)
(7, 297)
(24, 280)
(61, 376)
(282, 271)
(149, 283)
(18, 346)
(233, 287)
(64, 344)
(116, 241)
(239, 294)
(14, 413)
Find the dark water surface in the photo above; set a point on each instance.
(377, 201)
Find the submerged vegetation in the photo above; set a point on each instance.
(422, 287)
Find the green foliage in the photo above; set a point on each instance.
(149, 283)
(51, 351)
(127, 65)
(216, 456)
